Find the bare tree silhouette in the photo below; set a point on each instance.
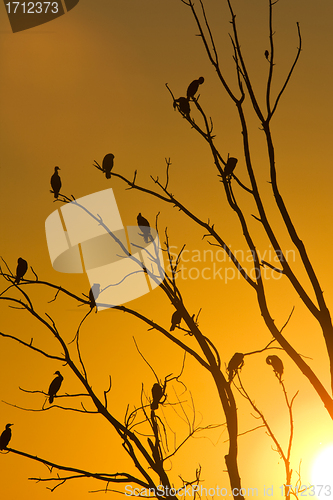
(144, 433)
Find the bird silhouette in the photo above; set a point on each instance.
(5, 437)
(145, 227)
(266, 54)
(175, 320)
(193, 87)
(21, 269)
(157, 393)
(236, 363)
(230, 166)
(277, 365)
(55, 386)
(56, 182)
(183, 105)
(94, 292)
(107, 165)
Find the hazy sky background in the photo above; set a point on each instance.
(93, 82)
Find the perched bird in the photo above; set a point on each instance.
(5, 437)
(175, 320)
(236, 363)
(183, 105)
(107, 165)
(277, 365)
(193, 87)
(94, 292)
(266, 54)
(157, 393)
(21, 269)
(145, 227)
(230, 166)
(56, 182)
(55, 386)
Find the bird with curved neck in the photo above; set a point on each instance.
(193, 87)
(55, 386)
(183, 106)
(277, 365)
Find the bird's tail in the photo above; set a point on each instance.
(154, 405)
(172, 328)
(17, 280)
(108, 175)
(51, 400)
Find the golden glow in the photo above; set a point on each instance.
(93, 82)
(322, 473)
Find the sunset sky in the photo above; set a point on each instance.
(92, 82)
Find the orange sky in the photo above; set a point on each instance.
(93, 82)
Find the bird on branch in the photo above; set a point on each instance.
(5, 437)
(230, 167)
(107, 165)
(55, 386)
(56, 182)
(157, 393)
(235, 364)
(267, 54)
(145, 227)
(193, 87)
(183, 106)
(175, 320)
(21, 269)
(277, 365)
(94, 292)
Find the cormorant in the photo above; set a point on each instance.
(21, 269)
(145, 227)
(236, 363)
(157, 393)
(175, 320)
(277, 365)
(230, 166)
(55, 386)
(183, 106)
(56, 182)
(5, 437)
(93, 294)
(193, 87)
(107, 165)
